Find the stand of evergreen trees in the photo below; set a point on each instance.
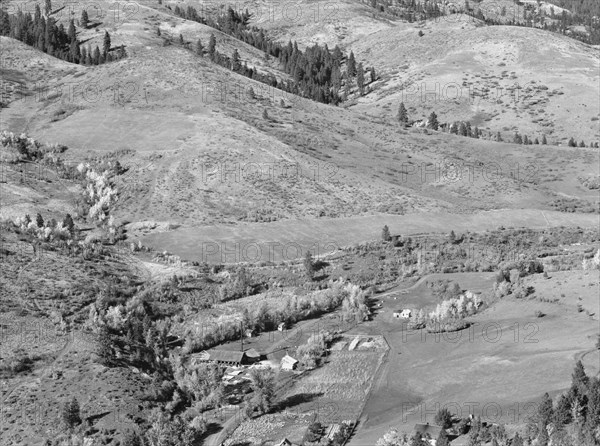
(43, 33)
(316, 72)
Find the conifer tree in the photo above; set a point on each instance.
(402, 114)
(71, 414)
(199, 48)
(72, 33)
(351, 69)
(433, 121)
(85, 20)
(96, 56)
(360, 79)
(106, 43)
(212, 45)
(309, 266)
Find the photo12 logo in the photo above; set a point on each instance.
(225, 172)
(114, 13)
(489, 412)
(253, 252)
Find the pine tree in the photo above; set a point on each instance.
(572, 142)
(74, 53)
(402, 114)
(462, 129)
(68, 223)
(309, 266)
(199, 48)
(476, 133)
(582, 144)
(72, 33)
(181, 41)
(85, 20)
(537, 141)
(158, 33)
(48, 7)
(385, 234)
(251, 93)
(83, 58)
(104, 346)
(212, 45)
(265, 115)
(525, 140)
(373, 74)
(71, 414)
(39, 221)
(235, 61)
(106, 43)
(433, 121)
(544, 140)
(96, 56)
(517, 138)
(360, 79)
(498, 137)
(351, 69)
(545, 411)
(563, 412)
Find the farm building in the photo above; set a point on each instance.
(249, 333)
(288, 363)
(228, 357)
(404, 314)
(428, 432)
(281, 326)
(284, 442)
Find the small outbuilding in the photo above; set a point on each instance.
(288, 363)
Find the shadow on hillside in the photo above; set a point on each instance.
(296, 400)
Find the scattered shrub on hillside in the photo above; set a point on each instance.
(385, 234)
(309, 266)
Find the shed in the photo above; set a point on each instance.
(288, 363)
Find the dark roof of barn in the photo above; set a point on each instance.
(226, 356)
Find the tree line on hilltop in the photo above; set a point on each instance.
(43, 33)
(316, 73)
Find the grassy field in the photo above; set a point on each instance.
(508, 359)
(257, 242)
